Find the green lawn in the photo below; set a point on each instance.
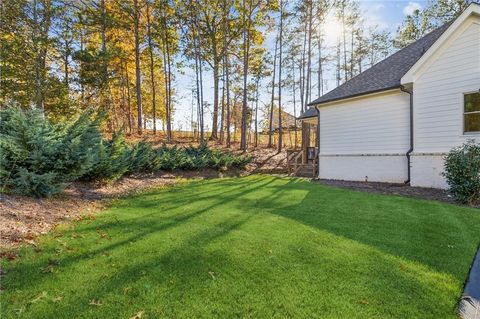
(252, 247)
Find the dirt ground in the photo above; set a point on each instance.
(24, 218)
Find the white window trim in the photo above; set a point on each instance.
(465, 133)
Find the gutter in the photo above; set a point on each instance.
(318, 142)
(315, 102)
(410, 150)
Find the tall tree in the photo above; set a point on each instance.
(138, 77)
(272, 101)
(152, 73)
(280, 40)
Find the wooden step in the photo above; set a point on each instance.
(305, 170)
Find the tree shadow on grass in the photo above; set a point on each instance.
(374, 233)
(441, 236)
(137, 222)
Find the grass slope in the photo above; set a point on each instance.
(252, 247)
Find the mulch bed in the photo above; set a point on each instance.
(23, 218)
(392, 189)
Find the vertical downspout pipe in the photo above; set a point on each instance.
(410, 150)
(318, 142)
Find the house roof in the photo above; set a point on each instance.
(384, 75)
(310, 112)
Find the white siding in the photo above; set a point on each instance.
(392, 169)
(427, 171)
(372, 125)
(438, 93)
(365, 139)
(438, 103)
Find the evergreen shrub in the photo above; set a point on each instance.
(40, 158)
(462, 171)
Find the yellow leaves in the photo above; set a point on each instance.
(95, 302)
(44, 296)
(48, 269)
(363, 302)
(138, 315)
(57, 299)
(212, 274)
(41, 296)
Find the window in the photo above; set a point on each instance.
(471, 115)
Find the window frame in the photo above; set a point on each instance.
(465, 113)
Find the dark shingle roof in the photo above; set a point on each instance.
(310, 112)
(384, 75)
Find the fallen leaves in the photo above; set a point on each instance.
(364, 302)
(212, 274)
(8, 255)
(49, 269)
(30, 242)
(138, 315)
(57, 299)
(103, 234)
(41, 296)
(95, 302)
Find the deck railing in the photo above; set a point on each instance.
(296, 162)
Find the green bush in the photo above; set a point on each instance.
(112, 159)
(143, 158)
(462, 171)
(39, 158)
(195, 158)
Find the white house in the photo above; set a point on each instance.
(395, 121)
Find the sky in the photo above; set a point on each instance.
(388, 15)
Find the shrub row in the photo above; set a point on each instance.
(41, 158)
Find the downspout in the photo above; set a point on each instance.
(318, 142)
(410, 150)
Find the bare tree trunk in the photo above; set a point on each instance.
(41, 29)
(280, 128)
(225, 52)
(351, 54)
(222, 114)
(270, 124)
(213, 134)
(137, 68)
(302, 69)
(344, 40)
(198, 67)
(309, 53)
(227, 73)
(82, 87)
(152, 74)
(256, 112)
(168, 77)
(165, 77)
(246, 47)
(320, 65)
(130, 120)
(169, 92)
(294, 100)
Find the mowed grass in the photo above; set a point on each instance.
(251, 247)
